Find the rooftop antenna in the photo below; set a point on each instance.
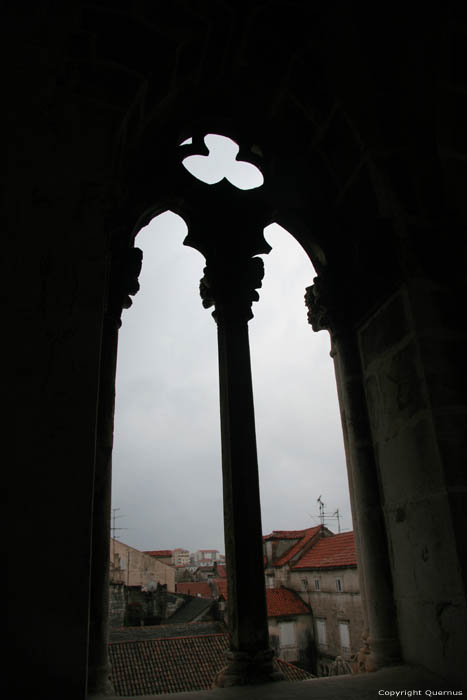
(336, 514)
(321, 509)
(114, 518)
(113, 530)
(323, 516)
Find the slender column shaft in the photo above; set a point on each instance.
(341, 392)
(99, 666)
(230, 287)
(242, 512)
(325, 312)
(373, 549)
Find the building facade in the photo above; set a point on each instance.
(326, 577)
(163, 555)
(134, 568)
(181, 557)
(322, 568)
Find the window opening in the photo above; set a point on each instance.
(166, 476)
(317, 584)
(287, 635)
(269, 329)
(344, 635)
(298, 425)
(221, 163)
(321, 634)
(339, 585)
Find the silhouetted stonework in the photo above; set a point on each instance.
(355, 116)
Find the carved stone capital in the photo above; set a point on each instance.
(125, 269)
(230, 286)
(326, 310)
(130, 273)
(245, 668)
(318, 306)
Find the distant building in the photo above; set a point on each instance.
(132, 567)
(207, 557)
(163, 555)
(181, 557)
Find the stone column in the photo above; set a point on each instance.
(230, 287)
(125, 270)
(99, 666)
(374, 568)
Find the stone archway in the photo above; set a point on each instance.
(231, 275)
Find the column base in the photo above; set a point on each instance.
(375, 654)
(99, 682)
(245, 668)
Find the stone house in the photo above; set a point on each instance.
(322, 568)
(281, 548)
(134, 568)
(326, 578)
(290, 623)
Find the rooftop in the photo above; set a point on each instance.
(282, 601)
(284, 535)
(158, 552)
(192, 610)
(175, 664)
(221, 571)
(182, 629)
(279, 601)
(330, 552)
(221, 585)
(305, 539)
(363, 686)
(200, 589)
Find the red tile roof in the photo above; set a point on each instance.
(221, 585)
(282, 601)
(330, 553)
(200, 589)
(284, 535)
(305, 539)
(221, 571)
(174, 665)
(279, 601)
(159, 552)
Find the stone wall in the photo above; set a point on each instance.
(334, 607)
(134, 568)
(131, 606)
(411, 354)
(301, 653)
(117, 605)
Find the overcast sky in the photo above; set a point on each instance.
(167, 480)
